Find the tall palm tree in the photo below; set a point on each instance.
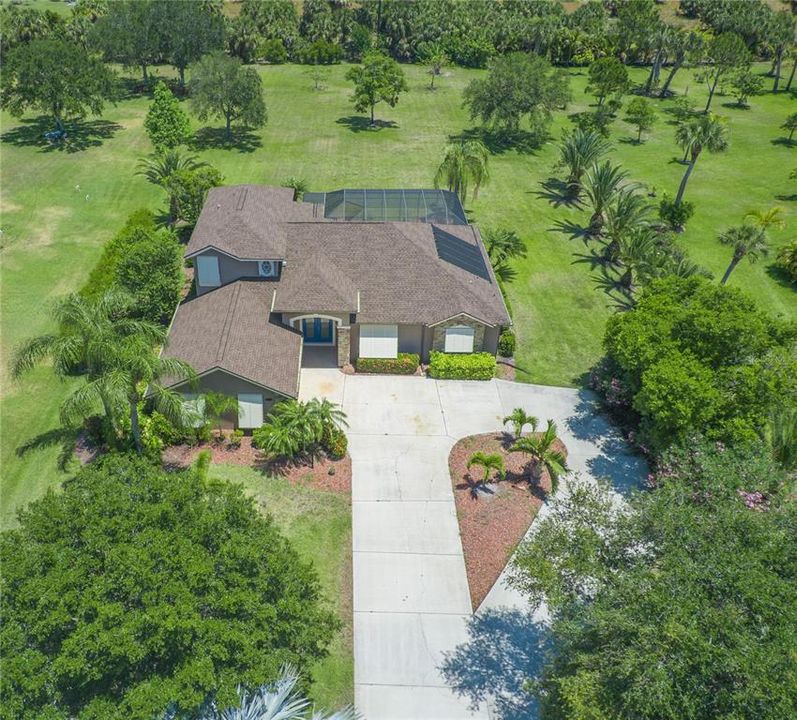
(88, 336)
(603, 182)
(543, 456)
(490, 463)
(519, 419)
(132, 372)
(707, 132)
(463, 164)
(158, 168)
(748, 242)
(765, 219)
(578, 152)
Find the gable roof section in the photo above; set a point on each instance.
(246, 221)
(229, 329)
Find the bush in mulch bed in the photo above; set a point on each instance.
(494, 519)
(324, 474)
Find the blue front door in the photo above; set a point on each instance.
(317, 330)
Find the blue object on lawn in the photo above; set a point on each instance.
(55, 135)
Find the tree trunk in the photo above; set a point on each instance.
(791, 77)
(686, 154)
(639, 136)
(600, 100)
(791, 133)
(229, 130)
(734, 262)
(173, 209)
(778, 62)
(181, 70)
(684, 180)
(372, 115)
(711, 94)
(675, 68)
(144, 72)
(134, 426)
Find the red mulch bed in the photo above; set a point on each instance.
(492, 524)
(317, 476)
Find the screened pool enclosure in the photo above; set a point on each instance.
(432, 206)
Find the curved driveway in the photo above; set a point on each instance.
(411, 600)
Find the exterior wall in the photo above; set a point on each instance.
(354, 343)
(344, 346)
(410, 339)
(222, 382)
(439, 337)
(491, 339)
(231, 270)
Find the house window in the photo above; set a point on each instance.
(378, 341)
(194, 408)
(459, 339)
(250, 410)
(267, 268)
(207, 269)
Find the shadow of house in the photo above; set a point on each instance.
(243, 140)
(79, 135)
(505, 648)
(361, 123)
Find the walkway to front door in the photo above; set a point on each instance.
(318, 331)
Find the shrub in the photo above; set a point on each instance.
(273, 51)
(404, 364)
(787, 260)
(320, 52)
(675, 216)
(507, 343)
(471, 366)
(235, 438)
(335, 442)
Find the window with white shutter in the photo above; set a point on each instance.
(459, 339)
(250, 410)
(378, 341)
(207, 269)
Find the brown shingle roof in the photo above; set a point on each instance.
(246, 221)
(229, 329)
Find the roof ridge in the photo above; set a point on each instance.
(221, 351)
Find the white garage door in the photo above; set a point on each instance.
(250, 410)
(459, 339)
(378, 341)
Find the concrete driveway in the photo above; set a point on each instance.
(411, 600)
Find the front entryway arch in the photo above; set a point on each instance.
(317, 329)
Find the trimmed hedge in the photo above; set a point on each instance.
(404, 364)
(507, 344)
(471, 366)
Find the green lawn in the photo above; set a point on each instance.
(318, 523)
(59, 207)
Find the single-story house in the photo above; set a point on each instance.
(336, 276)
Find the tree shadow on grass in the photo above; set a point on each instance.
(243, 140)
(780, 276)
(784, 141)
(361, 123)
(79, 135)
(573, 230)
(499, 141)
(557, 192)
(505, 648)
(63, 437)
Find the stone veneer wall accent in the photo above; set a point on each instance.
(439, 338)
(344, 346)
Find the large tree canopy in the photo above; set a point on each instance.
(378, 79)
(681, 605)
(133, 588)
(57, 78)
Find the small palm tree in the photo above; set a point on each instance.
(765, 219)
(464, 163)
(519, 419)
(578, 152)
(707, 132)
(328, 413)
(490, 463)
(787, 259)
(217, 405)
(628, 210)
(303, 420)
(543, 456)
(277, 438)
(602, 184)
(638, 257)
(503, 245)
(748, 242)
(159, 167)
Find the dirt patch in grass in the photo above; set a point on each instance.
(493, 518)
(323, 474)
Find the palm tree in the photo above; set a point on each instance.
(463, 163)
(132, 372)
(782, 433)
(638, 257)
(88, 336)
(279, 700)
(705, 132)
(329, 414)
(277, 438)
(304, 421)
(159, 167)
(748, 242)
(603, 182)
(519, 419)
(543, 456)
(579, 151)
(490, 463)
(216, 406)
(766, 219)
(627, 211)
(787, 259)
(503, 245)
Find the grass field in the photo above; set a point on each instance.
(60, 205)
(318, 524)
